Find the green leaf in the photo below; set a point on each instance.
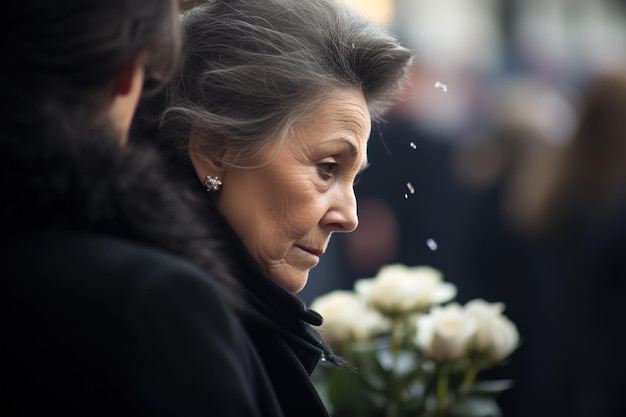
(350, 396)
(368, 367)
(402, 364)
(491, 387)
(475, 407)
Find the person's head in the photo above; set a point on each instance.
(83, 62)
(276, 98)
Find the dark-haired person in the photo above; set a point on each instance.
(112, 301)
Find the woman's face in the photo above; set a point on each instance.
(285, 211)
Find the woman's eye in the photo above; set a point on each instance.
(327, 169)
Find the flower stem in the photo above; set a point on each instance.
(397, 331)
(469, 378)
(395, 345)
(442, 391)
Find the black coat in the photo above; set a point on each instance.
(115, 301)
(280, 329)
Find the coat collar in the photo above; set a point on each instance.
(84, 181)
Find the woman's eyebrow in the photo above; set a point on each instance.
(354, 151)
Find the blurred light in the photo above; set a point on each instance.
(453, 35)
(380, 11)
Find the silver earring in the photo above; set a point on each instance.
(212, 183)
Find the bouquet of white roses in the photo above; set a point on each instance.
(413, 350)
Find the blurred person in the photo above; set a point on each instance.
(269, 122)
(550, 234)
(103, 311)
(582, 222)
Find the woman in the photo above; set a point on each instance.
(100, 313)
(271, 114)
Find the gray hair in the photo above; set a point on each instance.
(254, 68)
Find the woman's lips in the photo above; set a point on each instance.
(315, 252)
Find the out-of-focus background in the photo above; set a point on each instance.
(505, 168)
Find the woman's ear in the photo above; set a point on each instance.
(125, 93)
(126, 79)
(203, 163)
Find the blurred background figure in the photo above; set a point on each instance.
(503, 167)
(549, 238)
(580, 223)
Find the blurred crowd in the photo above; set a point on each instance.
(505, 168)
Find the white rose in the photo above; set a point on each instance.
(363, 288)
(496, 336)
(445, 333)
(347, 318)
(398, 289)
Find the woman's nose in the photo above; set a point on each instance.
(342, 215)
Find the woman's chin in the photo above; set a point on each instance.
(292, 280)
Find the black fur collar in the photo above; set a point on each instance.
(87, 182)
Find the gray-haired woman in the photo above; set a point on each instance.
(271, 114)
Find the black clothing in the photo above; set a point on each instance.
(279, 327)
(95, 325)
(102, 312)
(98, 314)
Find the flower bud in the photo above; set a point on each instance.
(445, 333)
(398, 289)
(496, 336)
(347, 318)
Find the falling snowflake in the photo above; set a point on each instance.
(441, 86)
(432, 245)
